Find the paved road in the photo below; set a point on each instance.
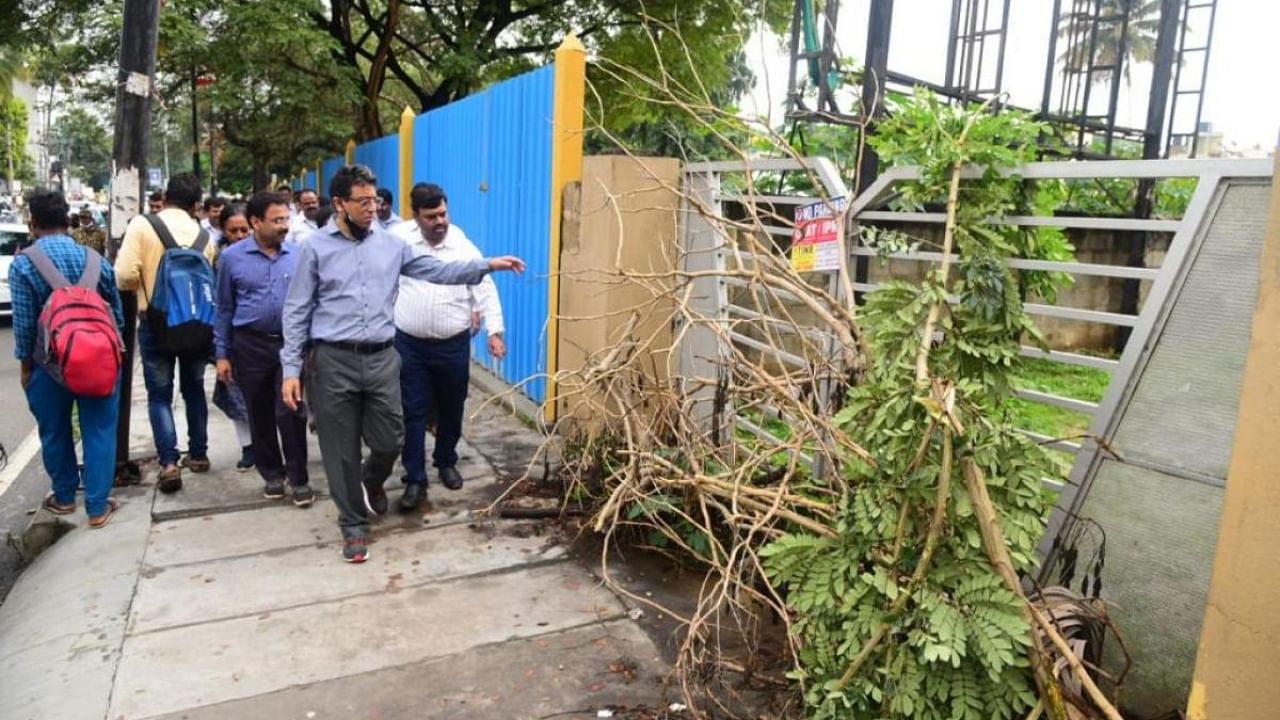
(20, 487)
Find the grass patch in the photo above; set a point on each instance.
(1071, 381)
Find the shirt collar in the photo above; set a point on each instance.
(448, 243)
(285, 247)
(331, 228)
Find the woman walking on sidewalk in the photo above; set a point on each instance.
(227, 395)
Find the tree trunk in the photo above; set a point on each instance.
(261, 180)
(370, 125)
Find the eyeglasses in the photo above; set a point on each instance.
(364, 202)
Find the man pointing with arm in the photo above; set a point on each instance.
(341, 305)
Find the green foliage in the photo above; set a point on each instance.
(955, 642)
(662, 53)
(82, 138)
(279, 98)
(296, 78)
(13, 140)
(1114, 197)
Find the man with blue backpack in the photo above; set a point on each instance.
(168, 256)
(67, 320)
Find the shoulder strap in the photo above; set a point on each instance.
(45, 267)
(202, 239)
(162, 231)
(92, 270)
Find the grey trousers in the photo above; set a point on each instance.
(355, 397)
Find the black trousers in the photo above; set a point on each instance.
(255, 361)
(434, 375)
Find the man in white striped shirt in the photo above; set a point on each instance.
(303, 223)
(434, 325)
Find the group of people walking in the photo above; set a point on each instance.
(334, 315)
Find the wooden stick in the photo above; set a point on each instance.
(998, 552)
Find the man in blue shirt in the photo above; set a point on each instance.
(50, 402)
(253, 278)
(341, 304)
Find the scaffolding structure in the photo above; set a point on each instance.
(1088, 60)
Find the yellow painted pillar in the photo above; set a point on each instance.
(351, 151)
(406, 161)
(1240, 639)
(566, 167)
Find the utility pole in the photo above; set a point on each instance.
(128, 183)
(874, 78)
(195, 124)
(213, 152)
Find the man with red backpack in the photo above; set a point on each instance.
(168, 256)
(67, 320)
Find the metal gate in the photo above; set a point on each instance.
(1159, 437)
(730, 307)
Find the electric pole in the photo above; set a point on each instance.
(195, 123)
(128, 182)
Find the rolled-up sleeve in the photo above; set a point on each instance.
(486, 296)
(299, 305)
(417, 264)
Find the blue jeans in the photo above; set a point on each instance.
(433, 376)
(51, 404)
(157, 373)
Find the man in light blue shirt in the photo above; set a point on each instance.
(341, 307)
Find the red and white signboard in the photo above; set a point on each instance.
(815, 247)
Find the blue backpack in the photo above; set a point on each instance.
(181, 309)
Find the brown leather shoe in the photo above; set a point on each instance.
(195, 464)
(170, 479)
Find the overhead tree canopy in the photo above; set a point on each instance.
(427, 54)
(295, 78)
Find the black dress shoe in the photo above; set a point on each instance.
(375, 498)
(450, 478)
(414, 494)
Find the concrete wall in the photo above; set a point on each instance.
(621, 217)
(1239, 651)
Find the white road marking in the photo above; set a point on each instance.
(19, 459)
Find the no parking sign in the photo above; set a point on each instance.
(815, 247)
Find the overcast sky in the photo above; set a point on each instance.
(1242, 100)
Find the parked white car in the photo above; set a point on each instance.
(13, 237)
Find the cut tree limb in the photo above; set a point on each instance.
(994, 543)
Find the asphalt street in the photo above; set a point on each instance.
(22, 480)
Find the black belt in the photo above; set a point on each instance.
(259, 333)
(434, 340)
(358, 348)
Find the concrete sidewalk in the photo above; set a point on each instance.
(217, 603)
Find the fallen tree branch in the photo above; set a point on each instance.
(994, 544)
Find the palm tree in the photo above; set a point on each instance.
(1140, 34)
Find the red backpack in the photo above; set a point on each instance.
(77, 341)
